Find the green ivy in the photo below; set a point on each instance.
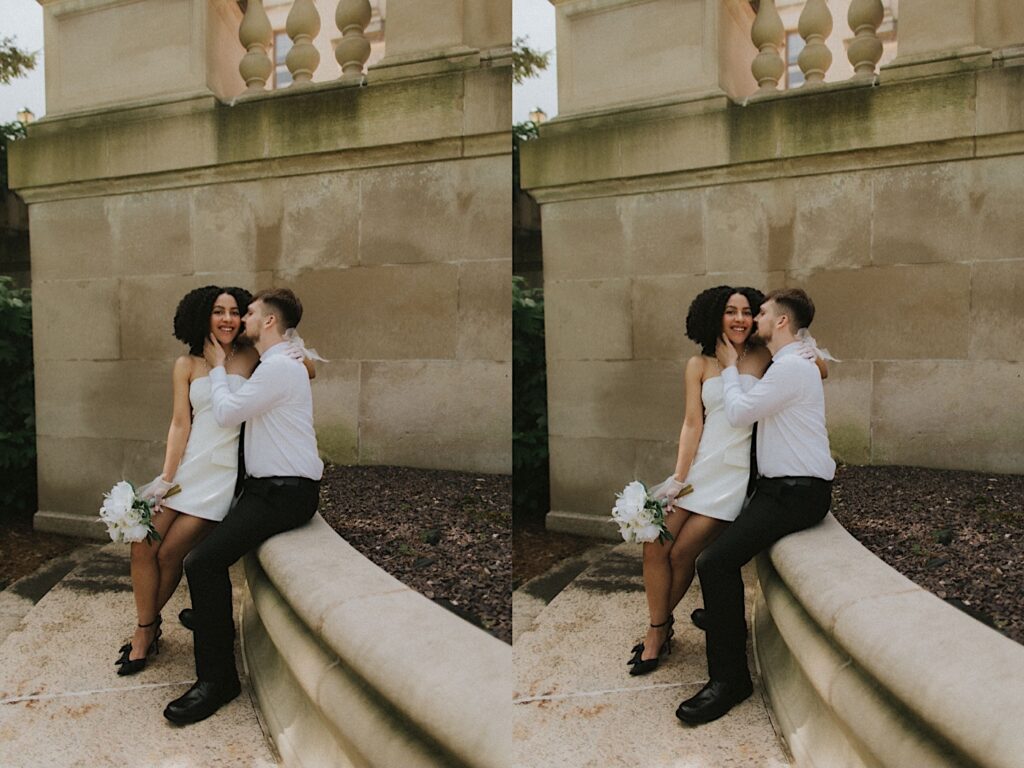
(530, 411)
(17, 404)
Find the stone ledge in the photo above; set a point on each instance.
(350, 666)
(864, 668)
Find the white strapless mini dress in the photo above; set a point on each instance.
(209, 468)
(721, 469)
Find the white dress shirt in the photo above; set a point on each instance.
(788, 403)
(276, 404)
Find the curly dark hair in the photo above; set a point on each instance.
(192, 317)
(704, 318)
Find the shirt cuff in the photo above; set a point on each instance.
(218, 374)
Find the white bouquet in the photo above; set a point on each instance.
(128, 517)
(640, 516)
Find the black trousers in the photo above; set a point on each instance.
(266, 507)
(779, 506)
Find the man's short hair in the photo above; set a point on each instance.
(282, 303)
(795, 303)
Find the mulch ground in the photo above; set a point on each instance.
(957, 534)
(23, 550)
(445, 534)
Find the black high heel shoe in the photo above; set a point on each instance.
(126, 649)
(641, 666)
(638, 649)
(129, 666)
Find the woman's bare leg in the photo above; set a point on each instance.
(186, 532)
(658, 583)
(145, 583)
(694, 537)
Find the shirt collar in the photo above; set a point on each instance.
(277, 349)
(789, 349)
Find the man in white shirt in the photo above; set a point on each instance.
(793, 490)
(280, 491)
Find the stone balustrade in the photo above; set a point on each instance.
(862, 667)
(196, 48)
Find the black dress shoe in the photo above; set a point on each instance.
(714, 700)
(187, 617)
(699, 617)
(200, 701)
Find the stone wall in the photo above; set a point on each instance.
(384, 206)
(895, 202)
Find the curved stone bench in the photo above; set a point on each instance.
(352, 667)
(863, 667)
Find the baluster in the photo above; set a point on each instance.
(768, 35)
(865, 16)
(815, 27)
(255, 34)
(302, 26)
(352, 51)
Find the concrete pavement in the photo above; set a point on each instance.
(578, 707)
(62, 704)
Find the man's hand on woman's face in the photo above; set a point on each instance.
(725, 352)
(214, 352)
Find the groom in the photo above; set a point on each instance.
(792, 492)
(279, 492)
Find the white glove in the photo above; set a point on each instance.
(156, 489)
(296, 344)
(668, 489)
(810, 350)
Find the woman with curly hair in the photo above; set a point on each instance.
(713, 457)
(201, 457)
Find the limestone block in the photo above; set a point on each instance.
(949, 414)
(380, 313)
(437, 414)
(76, 320)
(993, 218)
(922, 214)
(488, 102)
(588, 320)
(621, 52)
(833, 221)
(997, 319)
(656, 460)
(336, 410)
(997, 109)
(74, 473)
(238, 227)
(122, 399)
(584, 239)
(935, 26)
(587, 472)
(485, 312)
(143, 459)
(71, 239)
(451, 211)
(892, 312)
(750, 227)
(638, 399)
(664, 232)
(660, 305)
(321, 221)
(423, 27)
(151, 233)
(848, 410)
(488, 25)
(147, 306)
(87, 44)
(999, 24)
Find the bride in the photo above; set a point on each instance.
(201, 458)
(713, 457)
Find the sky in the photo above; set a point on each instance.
(533, 19)
(23, 20)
